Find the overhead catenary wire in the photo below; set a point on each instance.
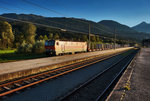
(53, 21)
(51, 10)
(43, 25)
(56, 12)
(7, 3)
(43, 7)
(7, 8)
(49, 20)
(103, 30)
(40, 24)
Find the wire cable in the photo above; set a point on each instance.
(31, 3)
(49, 20)
(7, 3)
(52, 21)
(39, 24)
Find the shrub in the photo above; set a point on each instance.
(25, 48)
(28, 48)
(39, 47)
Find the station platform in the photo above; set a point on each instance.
(12, 67)
(138, 80)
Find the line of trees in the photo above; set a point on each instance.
(27, 37)
(6, 35)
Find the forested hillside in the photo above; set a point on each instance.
(74, 24)
(29, 36)
(103, 28)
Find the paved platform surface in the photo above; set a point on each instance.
(34, 63)
(140, 80)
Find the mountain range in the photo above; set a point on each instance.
(142, 27)
(104, 27)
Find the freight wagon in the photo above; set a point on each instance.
(57, 47)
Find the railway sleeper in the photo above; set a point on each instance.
(52, 74)
(38, 78)
(42, 77)
(17, 84)
(48, 75)
(2, 89)
(7, 88)
(27, 82)
(35, 79)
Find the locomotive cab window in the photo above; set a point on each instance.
(57, 43)
(51, 43)
(46, 43)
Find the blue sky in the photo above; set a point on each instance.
(129, 12)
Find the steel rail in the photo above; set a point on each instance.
(106, 89)
(64, 69)
(120, 78)
(90, 80)
(57, 69)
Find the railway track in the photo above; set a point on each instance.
(10, 87)
(98, 87)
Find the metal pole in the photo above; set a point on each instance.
(114, 38)
(89, 35)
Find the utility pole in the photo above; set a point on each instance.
(89, 36)
(114, 38)
(128, 42)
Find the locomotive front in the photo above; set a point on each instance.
(50, 47)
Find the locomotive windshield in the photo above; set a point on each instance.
(50, 43)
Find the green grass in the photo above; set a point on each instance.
(7, 56)
(7, 51)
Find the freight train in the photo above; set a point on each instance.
(57, 47)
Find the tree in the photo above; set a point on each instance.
(84, 37)
(25, 48)
(6, 34)
(56, 36)
(97, 38)
(29, 32)
(93, 39)
(40, 37)
(51, 36)
(39, 46)
(19, 38)
(45, 37)
(0, 43)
